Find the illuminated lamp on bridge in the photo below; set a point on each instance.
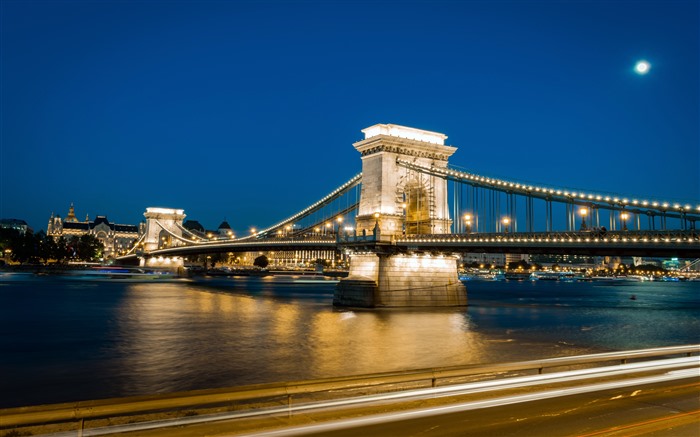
(506, 222)
(623, 219)
(583, 212)
(339, 220)
(467, 223)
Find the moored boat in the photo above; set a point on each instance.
(517, 276)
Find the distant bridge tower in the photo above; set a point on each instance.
(163, 227)
(396, 201)
(394, 198)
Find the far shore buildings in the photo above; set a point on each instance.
(16, 224)
(116, 239)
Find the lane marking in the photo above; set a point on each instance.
(647, 422)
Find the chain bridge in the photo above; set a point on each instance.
(404, 218)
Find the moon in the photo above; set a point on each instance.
(642, 67)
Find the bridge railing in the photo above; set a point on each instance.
(357, 238)
(650, 236)
(79, 411)
(590, 235)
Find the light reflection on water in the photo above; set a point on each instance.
(64, 341)
(169, 337)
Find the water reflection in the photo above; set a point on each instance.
(390, 340)
(175, 339)
(63, 341)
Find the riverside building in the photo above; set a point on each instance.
(117, 239)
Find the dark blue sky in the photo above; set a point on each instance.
(248, 110)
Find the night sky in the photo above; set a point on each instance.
(248, 110)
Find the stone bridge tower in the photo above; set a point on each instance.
(395, 201)
(163, 227)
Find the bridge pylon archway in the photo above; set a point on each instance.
(394, 198)
(396, 201)
(162, 223)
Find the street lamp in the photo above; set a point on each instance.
(506, 221)
(376, 224)
(339, 220)
(623, 218)
(467, 223)
(583, 212)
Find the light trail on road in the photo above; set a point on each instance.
(438, 392)
(467, 406)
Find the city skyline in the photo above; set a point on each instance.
(248, 111)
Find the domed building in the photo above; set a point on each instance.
(116, 239)
(194, 226)
(225, 230)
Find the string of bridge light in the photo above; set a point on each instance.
(136, 244)
(206, 241)
(198, 239)
(349, 184)
(458, 239)
(231, 244)
(624, 201)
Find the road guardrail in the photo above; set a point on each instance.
(82, 410)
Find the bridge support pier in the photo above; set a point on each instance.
(173, 263)
(399, 280)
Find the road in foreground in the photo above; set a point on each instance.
(667, 409)
(604, 407)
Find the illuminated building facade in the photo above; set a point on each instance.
(116, 239)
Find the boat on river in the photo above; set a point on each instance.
(482, 276)
(517, 276)
(305, 279)
(126, 274)
(557, 276)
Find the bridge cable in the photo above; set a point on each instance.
(325, 201)
(606, 201)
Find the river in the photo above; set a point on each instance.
(63, 340)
